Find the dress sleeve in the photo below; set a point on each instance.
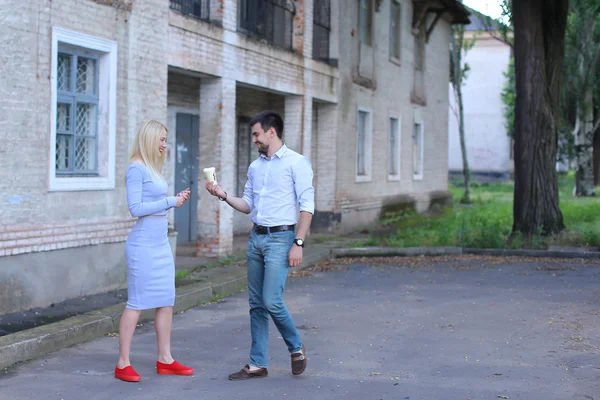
(137, 208)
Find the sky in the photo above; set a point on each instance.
(488, 7)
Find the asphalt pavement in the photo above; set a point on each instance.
(458, 327)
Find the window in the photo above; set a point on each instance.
(417, 151)
(420, 49)
(365, 21)
(395, 26)
(394, 149)
(363, 145)
(268, 20)
(83, 112)
(418, 93)
(196, 8)
(321, 29)
(76, 113)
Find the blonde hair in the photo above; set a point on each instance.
(146, 146)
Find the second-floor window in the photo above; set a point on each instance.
(269, 20)
(196, 8)
(420, 49)
(395, 30)
(365, 21)
(321, 29)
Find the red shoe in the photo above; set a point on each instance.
(127, 374)
(173, 369)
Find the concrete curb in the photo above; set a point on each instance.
(439, 251)
(39, 341)
(393, 251)
(534, 253)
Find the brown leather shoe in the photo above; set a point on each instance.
(246, 374)
(299, 362)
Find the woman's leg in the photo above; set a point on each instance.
(127, 325)
(163, 320)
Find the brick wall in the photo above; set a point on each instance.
(26, 205)
(217, 116)
(151, 38)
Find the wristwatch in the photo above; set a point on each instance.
(299, 242)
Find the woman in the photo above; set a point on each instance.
(150, 265)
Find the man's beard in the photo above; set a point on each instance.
(262, 149)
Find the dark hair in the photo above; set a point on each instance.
(267, 120)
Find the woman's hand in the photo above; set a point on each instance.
(186, 193)
(180, 201)
(182, 197)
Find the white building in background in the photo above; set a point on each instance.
(489, 148)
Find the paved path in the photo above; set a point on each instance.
(428, 328)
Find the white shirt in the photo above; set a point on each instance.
(276, 186)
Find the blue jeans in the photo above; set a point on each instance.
(267, 259)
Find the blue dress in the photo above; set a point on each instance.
(150, 264)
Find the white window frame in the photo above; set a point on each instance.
(419, 176)
(396, 116)
(107, 110)
(393, 58)
(368, 146)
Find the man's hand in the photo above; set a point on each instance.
(215, 189)
(295, 256)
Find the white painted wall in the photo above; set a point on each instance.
(488, 146)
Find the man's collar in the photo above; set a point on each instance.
(279, 152)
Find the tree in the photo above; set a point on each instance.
(509, 96)
(539, 27)
(582, 57)
(458, 75)
(501, 30)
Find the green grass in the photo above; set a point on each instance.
(182, 274)
(487, 223)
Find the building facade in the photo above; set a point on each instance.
(489, 148)
(361, 84)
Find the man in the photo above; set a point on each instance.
(278, 180)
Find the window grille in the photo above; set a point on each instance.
(321, 29)
(268, 20)
(196, 8)
(76, 114)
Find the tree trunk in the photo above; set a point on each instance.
(539, 27)
(597, 158)
(457, 82)
(463, 147)
(584, 143)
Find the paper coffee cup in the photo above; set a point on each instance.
(210, 174)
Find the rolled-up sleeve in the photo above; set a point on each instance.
(302, 174)
(248, 195)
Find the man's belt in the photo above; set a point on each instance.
(263, 230)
